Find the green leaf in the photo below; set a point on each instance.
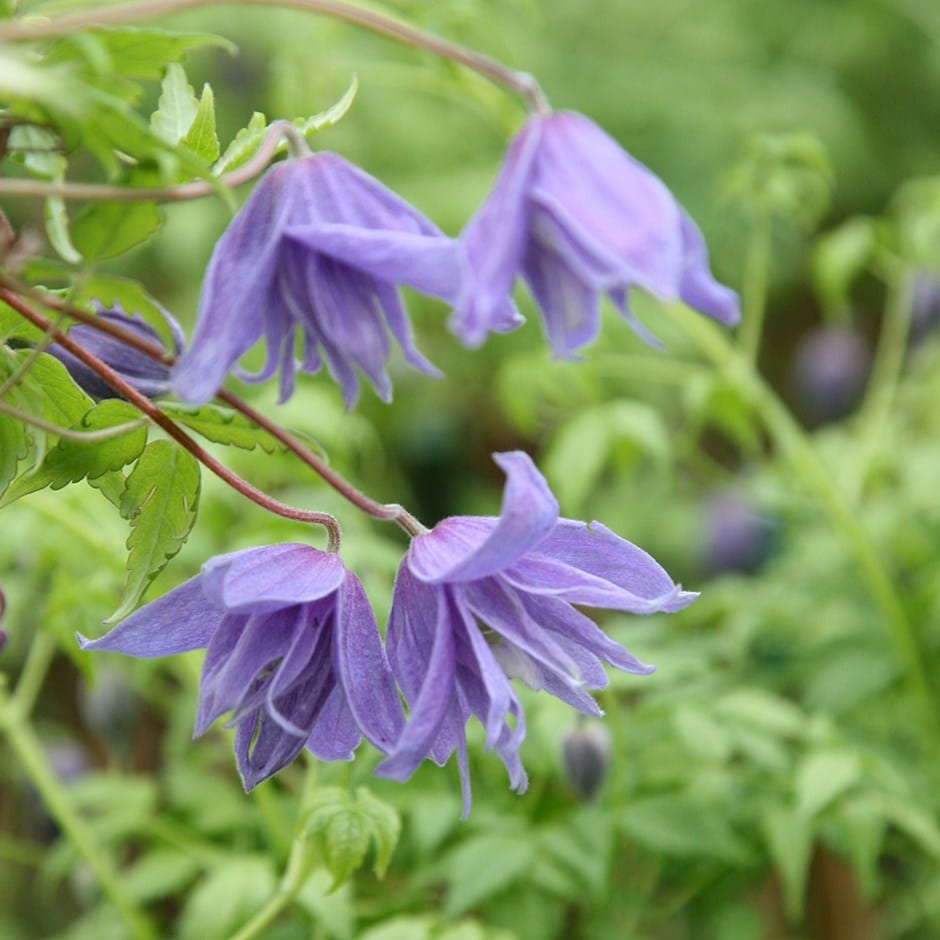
(484, 866)
(70, 461)
(13, 449)
(57, 229)
(789, 838)
(105, 229)
(678, 825)
(160, 501)
(144, 53)
(222, 426)
(227, 897)
(384, 825)
(824, 776)
(243, 145)
(177, 107)
(766, 711)
(159, 874)
(201, 136)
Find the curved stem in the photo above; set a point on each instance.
(32, 759)
(519, 83)
(147, 407)
(754, 288)
(298, 866)
(387, 512)
(883, 383)
(181, 192)
(794, 444)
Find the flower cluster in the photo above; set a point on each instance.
(321, 246)
(293, 652)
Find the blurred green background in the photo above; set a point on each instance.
(774, 778)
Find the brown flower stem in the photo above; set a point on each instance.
(147, 407)
(391, 512)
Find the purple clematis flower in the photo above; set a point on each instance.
(577, 217)
(148, 376)
(319, 246)
(480, 600)
(292, 651)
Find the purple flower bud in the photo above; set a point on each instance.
(577, 217)
(319, 247)
(734, 537)
(585, 756)
(829, 373)
(148, 376)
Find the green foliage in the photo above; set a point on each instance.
(159, 501)
(222, 425)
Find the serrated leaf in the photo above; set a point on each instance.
(201, 136)
(384, 827)
(70, 461)
(345, 841)
(221, 426)
(160, 501)
(332, 115)
(143, 52)
(12, 449)
(177, 106)
(243, 145)
(106, 229)
(57, 229)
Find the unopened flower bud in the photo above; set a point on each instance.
(586, 755)
(734, 537)
(925, 307)
(149, 376)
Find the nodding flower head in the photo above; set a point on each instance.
(577, 217)
(319, 248)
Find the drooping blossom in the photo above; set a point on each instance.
(147, 375)
(479, 600)
(577, 217)
(318, 247)
(292, 652)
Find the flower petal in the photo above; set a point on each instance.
(697, 287)
(183, 619)
(529, 512)
(262, 748)
(255, 580)
(335, 734)
(491, 246)
(363, 670)
(589, 564)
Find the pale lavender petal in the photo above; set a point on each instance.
(492, 244)
(570, 307)
(528, 514)
(420, 610)
(362, 668)
(263, 579)
(428, 263)
(400, 327)
(697, 287)
(612, 204)
(589, 564)
(232, 309)
(183, 619)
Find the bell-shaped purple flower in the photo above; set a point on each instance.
(577, 217)
(318, 247)
(147, 375)
(479, 600)
(292, 651)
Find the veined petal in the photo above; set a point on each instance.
(273, 576)
(231, 310)
(428, 263)
(589, 564)
(183, 619)
(262, 748)
(420, 610)
(335, 734)
(362, 668)
(528, 514)
(491, 246)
